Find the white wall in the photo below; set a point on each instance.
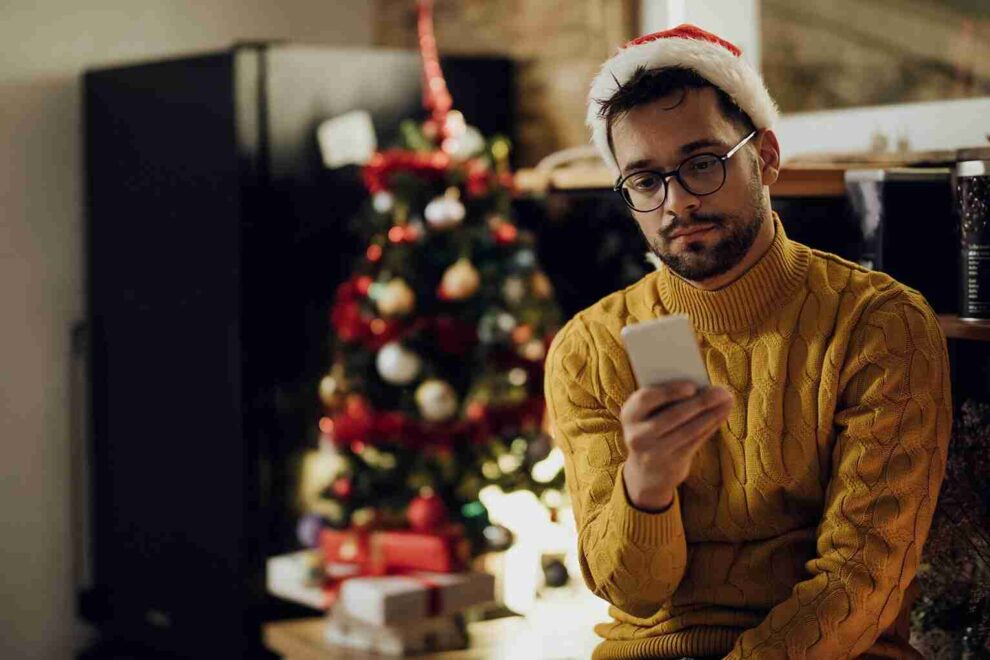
(44, 45)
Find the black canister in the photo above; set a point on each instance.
(973, 204)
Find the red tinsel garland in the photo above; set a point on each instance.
(358, 422)
(453, 335)
(432, 165)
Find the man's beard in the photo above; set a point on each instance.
(736, 234)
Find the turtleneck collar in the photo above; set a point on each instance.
(750, 297)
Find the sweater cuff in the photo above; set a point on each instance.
(645, 527)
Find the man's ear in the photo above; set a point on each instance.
(769, 153)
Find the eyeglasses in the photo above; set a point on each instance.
(703, 174)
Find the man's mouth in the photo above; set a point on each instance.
(689, 231)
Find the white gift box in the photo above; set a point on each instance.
(442, 633)
(289, 577)
(390, 600)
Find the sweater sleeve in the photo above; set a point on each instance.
(893, 421)
(632, 558)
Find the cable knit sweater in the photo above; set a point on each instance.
(799, 529)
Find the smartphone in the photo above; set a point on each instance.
(665, 349)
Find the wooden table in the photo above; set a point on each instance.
(559, 630)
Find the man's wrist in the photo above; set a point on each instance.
(654, 499)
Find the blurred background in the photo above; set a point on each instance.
(863, 86)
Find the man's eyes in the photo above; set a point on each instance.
(645, 181)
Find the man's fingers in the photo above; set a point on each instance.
(645, 401)
(645, 439)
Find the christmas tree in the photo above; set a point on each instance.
(438, 338)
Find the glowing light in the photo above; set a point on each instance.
(358, 447)
(374, 252)
(509, 462)
(490, 470)
(378, 326)
(396, 234)
(518, 377)
(326, 425)
(545, 471)
(363, 284)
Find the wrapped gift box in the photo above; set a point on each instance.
(442, 552)
(296, 577)
(442, 633)
(346, 546)
(398, 599)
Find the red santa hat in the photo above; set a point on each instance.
(688, 47)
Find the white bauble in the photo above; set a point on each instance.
(396, 364)
(470, 143)
(533, 350)
(383, 201)
(513, 290)
(396, 298)
(437, 400)
(444, 212)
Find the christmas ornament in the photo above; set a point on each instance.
(342, 487)
(460, 281)
(308, 530)
(542, 288)
(331, 392)
(506, 233)
(498, 538)
(687, 46)
(437, 400)
(534, 350)
(396, 298)
(513, 290)
(427, 512)
(470, 142)
(445, 212)
(383, 201)
(365, 517)
(525, 259)
(397, 365)
(555, 573)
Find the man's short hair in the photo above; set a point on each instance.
(647, 86)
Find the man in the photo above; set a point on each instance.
(781, 512)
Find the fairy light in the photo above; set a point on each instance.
(374, 252)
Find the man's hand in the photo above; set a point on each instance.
(664, 427)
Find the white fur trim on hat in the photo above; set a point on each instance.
(715, 63)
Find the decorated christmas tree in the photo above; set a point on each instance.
(437, 339)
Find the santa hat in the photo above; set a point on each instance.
(688, 47)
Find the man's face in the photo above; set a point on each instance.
(659, 136)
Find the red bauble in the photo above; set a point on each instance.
(426, 513)
(342, 487)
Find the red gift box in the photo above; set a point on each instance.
(346, 546)
(445, 551)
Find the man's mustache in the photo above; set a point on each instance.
(696, 220)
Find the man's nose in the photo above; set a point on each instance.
(679, 201)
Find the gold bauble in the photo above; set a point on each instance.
(461, 280)
(396, 298)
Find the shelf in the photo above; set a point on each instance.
(815, 181)
(957, 328)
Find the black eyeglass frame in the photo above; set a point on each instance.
(676, 172)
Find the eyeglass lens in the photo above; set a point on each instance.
(700, 175)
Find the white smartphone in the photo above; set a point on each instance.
(665, 349)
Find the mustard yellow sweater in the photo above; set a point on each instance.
(800, 528)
